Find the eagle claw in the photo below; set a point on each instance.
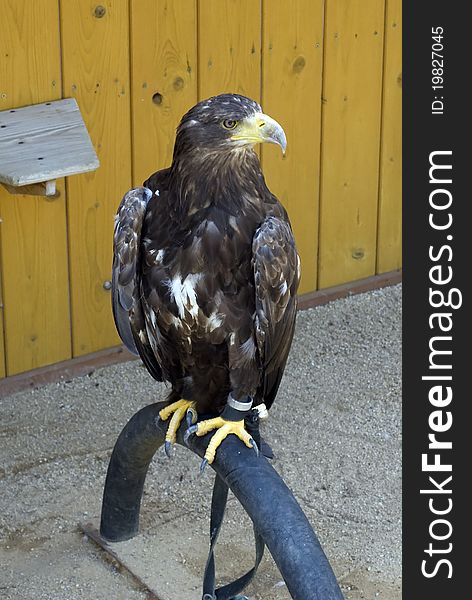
(168, 449)
(191, 416)
(224, 428)
(190, 431)
(177, 411)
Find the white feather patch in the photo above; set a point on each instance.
(160, 256)
(184, 293)
(214, 321)
(176, 322)
(152, 316)
(248, 349)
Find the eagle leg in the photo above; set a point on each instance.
(178, 410)
(224, 428)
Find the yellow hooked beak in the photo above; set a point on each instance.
(258, 129)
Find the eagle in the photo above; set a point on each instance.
(205, 273)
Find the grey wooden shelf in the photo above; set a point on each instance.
(41, 143)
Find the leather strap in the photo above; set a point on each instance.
(218, 505)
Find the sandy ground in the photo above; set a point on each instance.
(335, 429)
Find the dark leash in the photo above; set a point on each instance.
(218, 505)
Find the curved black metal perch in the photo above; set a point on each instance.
(272, 507)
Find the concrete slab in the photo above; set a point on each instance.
(168, 558)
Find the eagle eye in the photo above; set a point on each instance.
(229, 123)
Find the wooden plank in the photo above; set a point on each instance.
(351, 140)
(291, 93)
(2, 353)
(229, 47)
(95, 53)
(34, 248)
(30, 71)
(374, 282)
(2, 336)
(37, 319)
(65, 370)
(45, 188)
(164, 78)
(389, 243)
(43, 142)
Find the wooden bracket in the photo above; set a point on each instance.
(44, 188)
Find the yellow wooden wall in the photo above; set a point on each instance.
(35, 273)
(328, 70)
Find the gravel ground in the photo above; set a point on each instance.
(335, 429)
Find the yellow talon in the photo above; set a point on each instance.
(225, 428)
(178, 410)
(205, 426)
(165, 413)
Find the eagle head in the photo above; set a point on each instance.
(225, 123)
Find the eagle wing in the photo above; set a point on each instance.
(276, 275)
(126, 285)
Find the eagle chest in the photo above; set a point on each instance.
(197, 284)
